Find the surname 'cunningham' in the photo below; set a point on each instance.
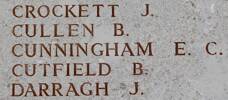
(82, 49)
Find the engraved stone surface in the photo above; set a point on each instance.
(198, 76)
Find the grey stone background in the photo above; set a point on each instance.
(195, 77)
